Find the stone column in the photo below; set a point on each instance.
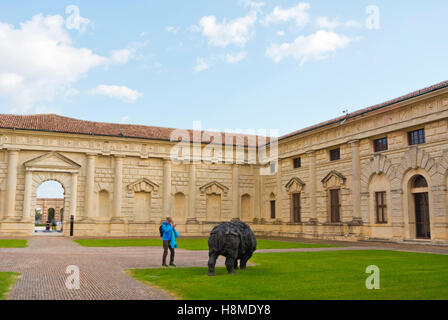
(278, 202)
(27, 196)
(235, 192)
(356, 180)
(312, 184)
(118, 188)
(191, 216)
(89, 189)
(166, 188)
(257, 206)
(73, 196)
(11, 187)
(262, 199)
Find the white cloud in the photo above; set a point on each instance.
(38, 61)
(172, 29)
(326, 23)
(316, 46)
(281, 33)
(237, 31)
(201, 65)
(121, 56)
(234, 58)
(298, 13)
(122, 93)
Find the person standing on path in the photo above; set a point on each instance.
(169, 235)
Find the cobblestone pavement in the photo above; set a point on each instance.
(102, 270)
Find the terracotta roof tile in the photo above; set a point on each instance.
(57, 123)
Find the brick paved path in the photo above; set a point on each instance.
(43, 264)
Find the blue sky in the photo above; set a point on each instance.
(230, 64)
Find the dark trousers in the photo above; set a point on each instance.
(166, 246)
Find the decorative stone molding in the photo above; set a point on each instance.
(104, 186)
(52, 161)
(214, 187)
(378, 164)
(143, 185)
(295, 185)
(334, 179)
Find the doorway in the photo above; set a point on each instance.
(421, 208)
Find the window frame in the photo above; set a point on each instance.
(331, 206)
(272, 209)
(338, 150)
(376, 144)
(296, 198)
(416, 137)
(294, 163)
(381, 209)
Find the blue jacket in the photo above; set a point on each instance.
(167, 230)
(174, 235)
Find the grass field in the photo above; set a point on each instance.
(13, 243)
(312, 275)
(7, 279)
(189, 244)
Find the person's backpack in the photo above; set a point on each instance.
(161, 231)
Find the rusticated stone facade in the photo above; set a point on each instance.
(119, 180)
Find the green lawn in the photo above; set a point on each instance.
(311, 275)
(189, 244)
(7, 279)
(13, 243)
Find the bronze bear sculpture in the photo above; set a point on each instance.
(233, 240)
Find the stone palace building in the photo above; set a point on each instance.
(378, 173)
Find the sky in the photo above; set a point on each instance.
(234, 64)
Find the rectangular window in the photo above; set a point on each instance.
(381, 207)
(335, 206)
(297, 163)
(272, 209)
(416, 137)
(296, 209)
(380, 145)
(335, 154)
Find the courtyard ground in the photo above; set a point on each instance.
(312, 275)
(193, 243)
(43, 266)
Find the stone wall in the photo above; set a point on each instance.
(125, 187)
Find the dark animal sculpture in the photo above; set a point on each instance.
(233, 240)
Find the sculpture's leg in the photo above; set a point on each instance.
(235, 266)
(230, 263)
(243, 261)
(212, 257)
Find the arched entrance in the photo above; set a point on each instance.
(50, 199)
(419, 191)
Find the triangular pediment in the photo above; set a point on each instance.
(334, 178)
(295, 184)
(214, 187)
(52, 160)
(143, 185)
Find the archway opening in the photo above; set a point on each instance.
(419, 190)
(49, 209)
